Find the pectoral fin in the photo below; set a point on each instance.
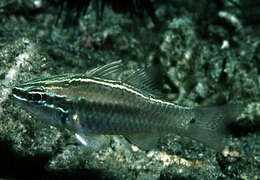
(145, 141)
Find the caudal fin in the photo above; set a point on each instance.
(210, 124)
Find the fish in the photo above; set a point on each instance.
(104, 102)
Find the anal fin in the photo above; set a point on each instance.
(145, 141)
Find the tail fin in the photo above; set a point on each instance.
(210, 124)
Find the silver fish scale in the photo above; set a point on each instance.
(110, 119)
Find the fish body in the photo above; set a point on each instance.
(100, 103)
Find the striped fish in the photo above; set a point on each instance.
(102, 102)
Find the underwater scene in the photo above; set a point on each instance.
(134, 89)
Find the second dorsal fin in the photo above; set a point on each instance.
(147, 80)
(108, 71)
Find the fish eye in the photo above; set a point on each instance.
(35, 96)
(192, 121)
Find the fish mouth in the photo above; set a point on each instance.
(19, 95)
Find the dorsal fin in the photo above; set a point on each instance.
(108, 71)
(147, 80)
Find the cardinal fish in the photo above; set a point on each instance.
(102, 102)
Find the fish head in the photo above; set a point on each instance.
(43, 104)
